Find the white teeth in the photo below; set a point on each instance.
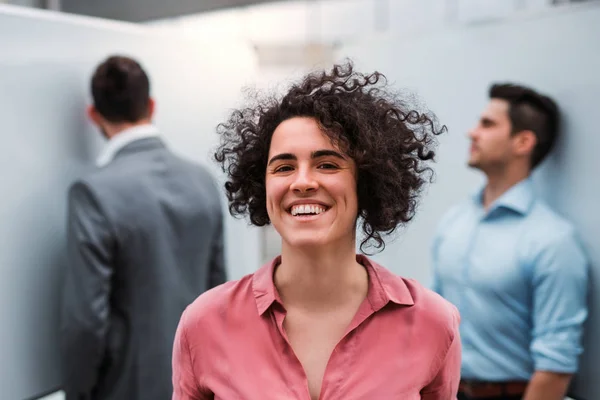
(307, 209)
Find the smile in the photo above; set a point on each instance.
(307, 209)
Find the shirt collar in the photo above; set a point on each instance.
(383, 286)
(518, 198)
(124, 138)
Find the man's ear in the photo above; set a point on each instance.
(94, 115)
(151, 107)
(525, 141)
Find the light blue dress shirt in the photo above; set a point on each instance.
(519, 278)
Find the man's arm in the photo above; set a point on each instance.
(217, 272)
(85, 305)
(546, 385)
(560, 282)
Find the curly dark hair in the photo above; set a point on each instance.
(389, 141)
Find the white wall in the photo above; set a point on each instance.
(46, 61)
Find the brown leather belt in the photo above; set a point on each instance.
(492, 389)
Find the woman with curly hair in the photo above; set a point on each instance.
(320, 321)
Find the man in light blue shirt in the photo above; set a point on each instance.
(511, 265)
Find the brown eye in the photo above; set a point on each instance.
(283, 168)
(328, 166)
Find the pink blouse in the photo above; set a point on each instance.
(403, 343)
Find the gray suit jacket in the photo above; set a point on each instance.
(145, 237)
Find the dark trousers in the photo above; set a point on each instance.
(462, 396)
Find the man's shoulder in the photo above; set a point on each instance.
(455, 212)
(546, 226)
(457, 209)
(543, 212)
(102, 184)
(88, 182)
(125, 174)
(100, 177)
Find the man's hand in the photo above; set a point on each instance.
(545, 385)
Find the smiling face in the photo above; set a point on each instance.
(310, 186)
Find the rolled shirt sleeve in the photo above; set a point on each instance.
(560, 287)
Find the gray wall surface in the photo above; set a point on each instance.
(450, 70)
(46, 61)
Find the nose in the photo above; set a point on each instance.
(472, 133)
(304, 182)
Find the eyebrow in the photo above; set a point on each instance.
(314, 154)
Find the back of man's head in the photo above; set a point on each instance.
(530, 110)
(121, 90)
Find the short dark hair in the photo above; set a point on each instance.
(530, 110)
(121, 90)
(389, 141)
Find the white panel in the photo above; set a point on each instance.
(221, 25)
(417, 15)
(277, 22)
(45, 66)
(290, 55)
(339, 19)
(477, 10)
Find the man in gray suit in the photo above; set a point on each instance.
(145, 238)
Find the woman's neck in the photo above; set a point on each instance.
(320, 277)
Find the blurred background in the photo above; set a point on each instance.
(200, 55)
